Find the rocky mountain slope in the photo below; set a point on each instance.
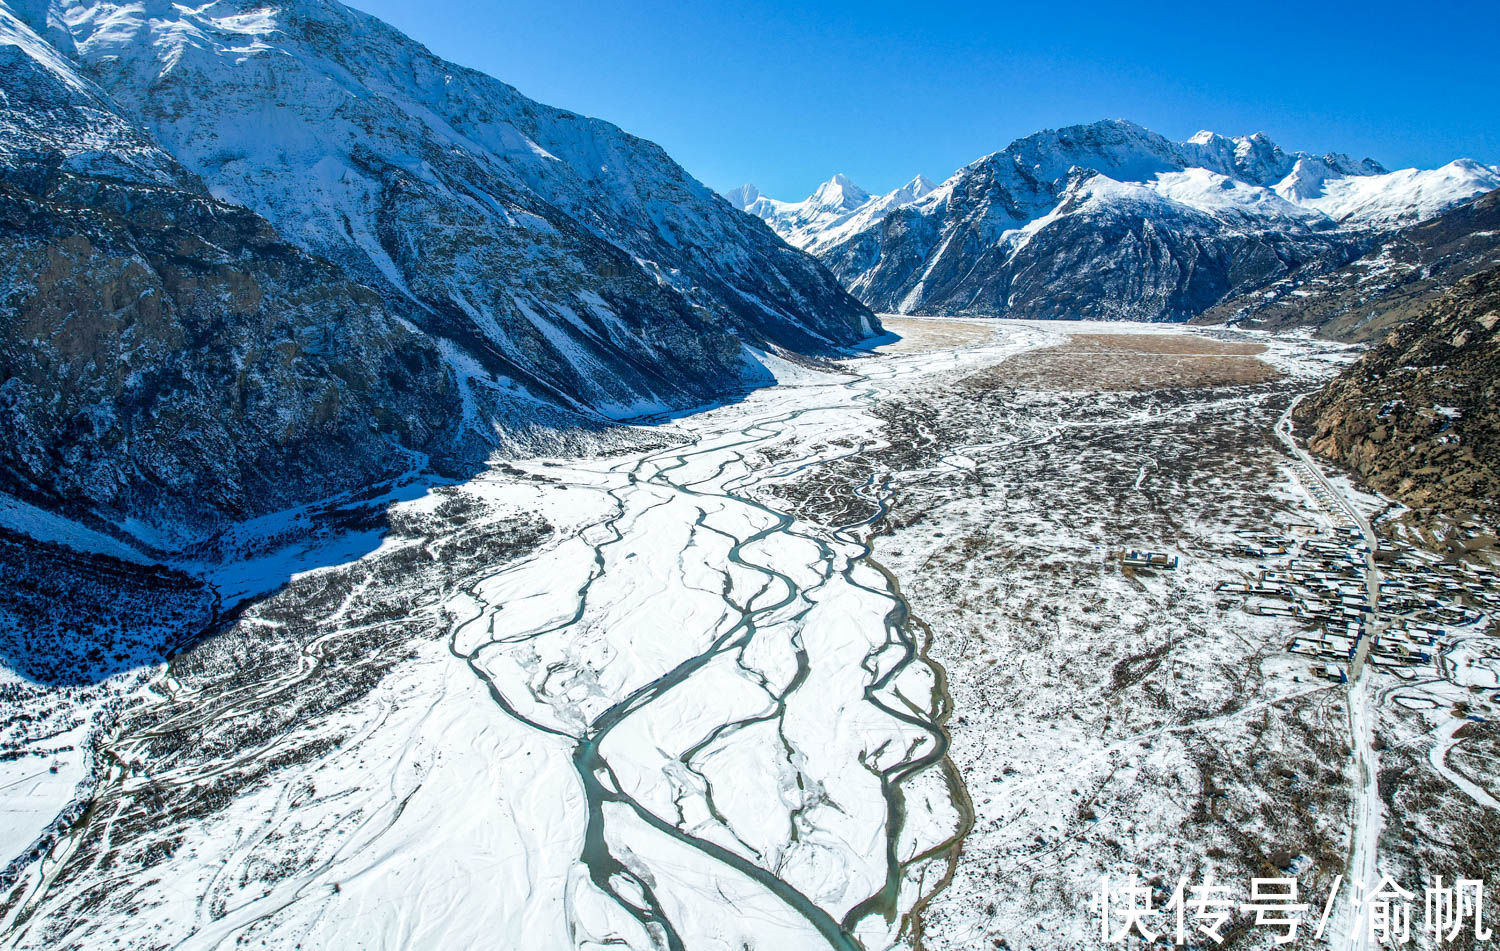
(550, 249)
(257, 255)
(1418, 416)
(1110, 220)
(1401, 276)
(165, 359)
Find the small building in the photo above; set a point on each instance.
(1135, 558)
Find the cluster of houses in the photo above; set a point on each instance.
(1319, 576)
(1421, 599)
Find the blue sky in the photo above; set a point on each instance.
(784, 94)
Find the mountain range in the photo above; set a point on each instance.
(1109, 220)
(276, 251)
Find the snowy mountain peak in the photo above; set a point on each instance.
(987, 240)
(1344, 165)
(742, 197)
(836, 209)
(1259, 160)
(1305, 180)
(919, 186)
(839, 192)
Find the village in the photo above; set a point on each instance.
(1326, 577)
(1399, 608)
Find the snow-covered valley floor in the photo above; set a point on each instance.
(702, 696)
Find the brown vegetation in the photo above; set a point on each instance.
(1130, 362)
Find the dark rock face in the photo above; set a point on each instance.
(166, 357)
(1115, 262)
(1402, 275)
(1417, 417)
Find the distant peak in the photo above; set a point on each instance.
(840, 192)
(1345, 165)
(914, 189)
(1256, 142)
(743, 197)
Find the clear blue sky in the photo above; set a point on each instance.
(783, 94)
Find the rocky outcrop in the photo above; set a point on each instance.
(1418, 416)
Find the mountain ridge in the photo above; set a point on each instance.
(1397, 277)
(1110, 220)
(547, 272)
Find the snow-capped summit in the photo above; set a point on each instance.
(839, 194)
(1344, 165)
(1402, 197)
(1306, 179)
(916, 188)
(1259, 160)
(743, 196)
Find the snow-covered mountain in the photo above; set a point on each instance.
(549, 246)
(510, 270)
(1404, 274)
(1111, 220)
(166, 360)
